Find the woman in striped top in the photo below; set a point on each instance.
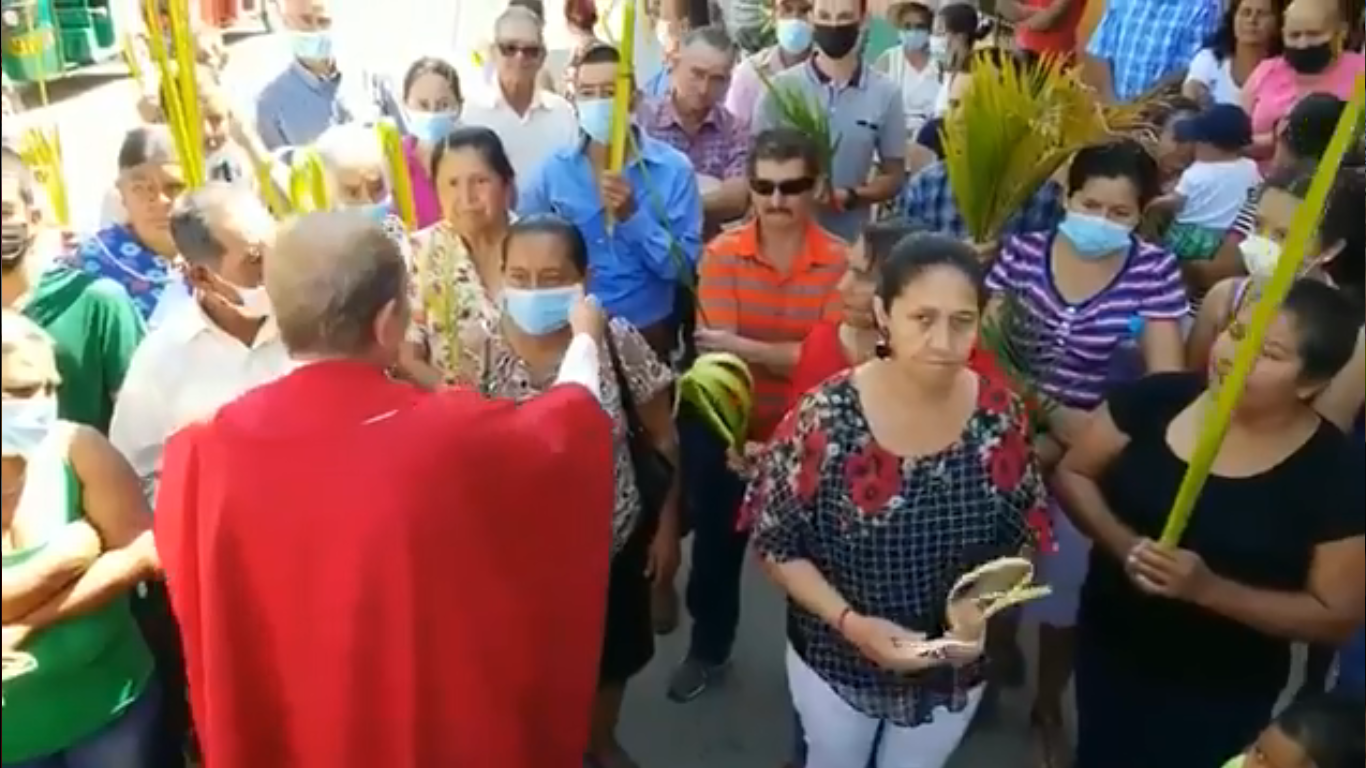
(1090, 295)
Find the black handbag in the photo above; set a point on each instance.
(654, 471)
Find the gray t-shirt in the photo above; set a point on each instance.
(866, 119)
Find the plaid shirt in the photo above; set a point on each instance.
(1145, 41)
(927, 201)
(718, 149)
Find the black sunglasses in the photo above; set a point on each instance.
(786, 187)
(526, 51)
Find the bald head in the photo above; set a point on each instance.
(1311, 22)
(333, 277)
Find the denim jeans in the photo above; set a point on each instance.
(128, 742)
(713, 495)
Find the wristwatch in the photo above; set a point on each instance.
(851, 199)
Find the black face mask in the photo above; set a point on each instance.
(836, 40)
(1309, 60)
(14, 243)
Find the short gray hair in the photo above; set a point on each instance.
(515, 13)
(349, 146)
(713, 36)
(200, 213)
(330, 275)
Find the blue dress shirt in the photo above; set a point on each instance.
(635, 269)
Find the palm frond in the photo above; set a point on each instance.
(1012, 335)
(795, 109)
(1015, 127)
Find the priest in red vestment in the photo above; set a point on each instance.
(371, 576)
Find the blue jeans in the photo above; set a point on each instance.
(128, 742)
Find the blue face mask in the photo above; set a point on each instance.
(915, 39)
(1094, 237)
(430, 127)
(26, 424)
(794, 35)
(539, 311)
(314, 45)
(595, 118)
(376, 212)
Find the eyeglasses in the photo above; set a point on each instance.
(786, 187)
(525, 51)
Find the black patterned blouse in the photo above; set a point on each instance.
(892, 535)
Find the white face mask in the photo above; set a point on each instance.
(255, 303)
(26, 424)
(1260, 255)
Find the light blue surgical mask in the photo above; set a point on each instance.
(794, 35)
(311, 45)
(376, 212)
(26, 424)
(595, 118)
(539, 311)
(915, 40)
(431, 127)
(1094, 237)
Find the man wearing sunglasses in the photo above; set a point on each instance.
(520, 104)
(864, 116)
(762, 287)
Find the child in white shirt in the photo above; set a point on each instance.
(1214, 188)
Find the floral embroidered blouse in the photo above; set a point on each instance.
(892, 534)
(152, 282)
(451, 309)
(506, 375)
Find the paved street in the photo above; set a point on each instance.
(745, 723)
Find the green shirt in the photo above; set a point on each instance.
(96, 327)
(90, 668)
(881, 36)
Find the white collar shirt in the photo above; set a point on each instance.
(182, 372)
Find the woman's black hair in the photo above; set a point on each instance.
(483, 141)
(962, 19)
(1223, 41)
(1327, 322)
(550, 224)
(1119, 159)
(1342, 221)
(1328, 728)
(1308, 128)
(917, 253)
(880, 237)
(431, 65)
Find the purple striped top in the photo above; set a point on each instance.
(1074, 343)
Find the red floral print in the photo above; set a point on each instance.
(994, 396)
(874, 477)
(809, 474)
(1041, 525)
(1009, 461)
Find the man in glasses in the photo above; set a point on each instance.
(531, 119)
(762, 287)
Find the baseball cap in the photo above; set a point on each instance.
(1226, 126)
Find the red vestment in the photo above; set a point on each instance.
(369, 576)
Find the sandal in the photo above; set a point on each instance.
(1049, 734)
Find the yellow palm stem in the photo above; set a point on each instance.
(400, 181)
(1287, 269)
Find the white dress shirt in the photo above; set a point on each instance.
(184, 371)
(548, 125)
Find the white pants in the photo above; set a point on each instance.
(839, 736)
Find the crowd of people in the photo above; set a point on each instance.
(340, 489)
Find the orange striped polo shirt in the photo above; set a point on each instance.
(742, 291)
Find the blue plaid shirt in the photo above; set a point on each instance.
(927, 201)
(1144, 41)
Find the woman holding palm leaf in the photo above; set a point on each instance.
(1074, 301)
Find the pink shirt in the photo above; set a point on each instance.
(1274, 88)
(424, 190)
